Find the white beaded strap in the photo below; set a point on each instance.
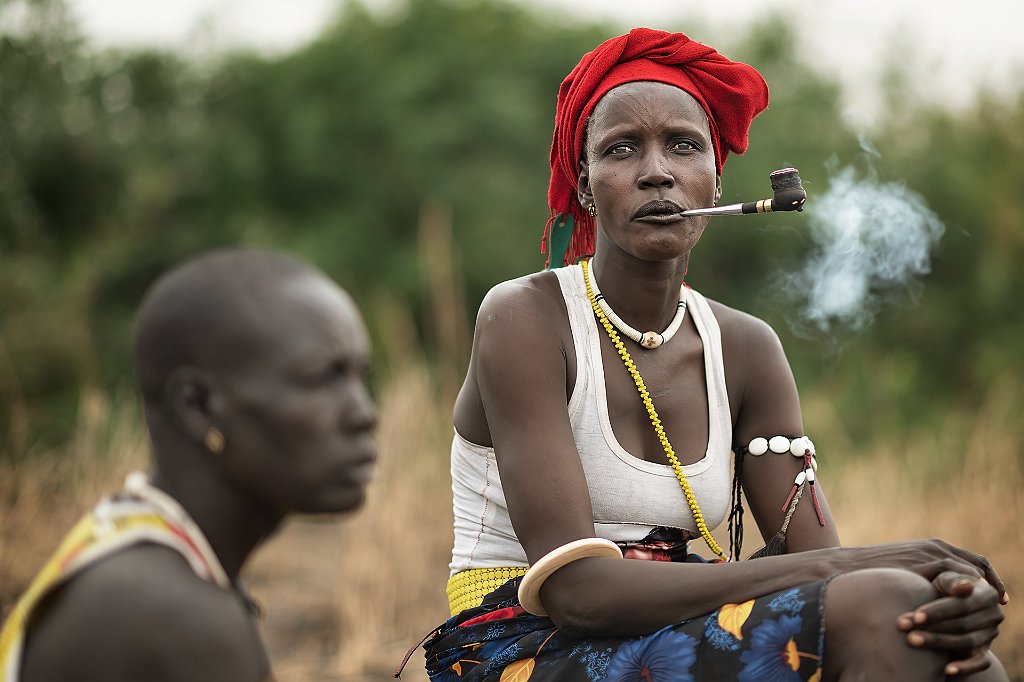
(529, 588)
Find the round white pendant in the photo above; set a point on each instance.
(650, 340)
(778, 444)
(798, 447)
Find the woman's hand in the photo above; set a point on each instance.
(963, 621)
(927, 558)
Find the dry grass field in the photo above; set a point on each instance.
(345, 598)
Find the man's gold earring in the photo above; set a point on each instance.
(592, 210)
(214, 440)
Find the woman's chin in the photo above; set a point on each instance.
(665, 245)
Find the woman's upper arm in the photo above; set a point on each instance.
(769, 403)
(521, 373)
(770, 406)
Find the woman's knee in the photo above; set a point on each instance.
(876, 593)
(861, 632)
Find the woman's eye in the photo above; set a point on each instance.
(685, 146)
(619, 149)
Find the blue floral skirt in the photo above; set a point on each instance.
(775, 638)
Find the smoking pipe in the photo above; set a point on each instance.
(788, 195)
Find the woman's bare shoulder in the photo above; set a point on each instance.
(532, 295)
(762, 391)
(743, 330)
(522, 329)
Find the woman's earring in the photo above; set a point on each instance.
(592, 210)
(214, 440)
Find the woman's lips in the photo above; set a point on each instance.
(661, 218)
(661, 210)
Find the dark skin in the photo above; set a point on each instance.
(144, 615)
(298, 422)
(646, 143)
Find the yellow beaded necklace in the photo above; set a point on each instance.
(691, 500)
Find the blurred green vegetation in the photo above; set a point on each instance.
(116, 165)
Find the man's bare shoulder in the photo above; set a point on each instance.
(143, 614)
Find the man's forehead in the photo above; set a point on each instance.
(313, 287)
(313, 306)
(284, 313)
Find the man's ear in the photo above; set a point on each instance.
(583, 193)
(718, 189)
(193, 401)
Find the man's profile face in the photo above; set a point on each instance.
(299, 418)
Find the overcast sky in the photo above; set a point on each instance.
(951, 48)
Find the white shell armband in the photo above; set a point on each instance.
(801, 447)
(797, 447)
(529, 588)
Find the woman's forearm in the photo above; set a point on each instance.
(616, 597)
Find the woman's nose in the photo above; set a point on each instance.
(655, 173)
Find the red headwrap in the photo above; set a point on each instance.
(731, 93)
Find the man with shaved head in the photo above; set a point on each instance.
(251, 367)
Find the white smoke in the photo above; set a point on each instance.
(871, 238)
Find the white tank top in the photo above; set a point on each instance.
(630, 496)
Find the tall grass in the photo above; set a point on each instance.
(40, 498)
(345, 598)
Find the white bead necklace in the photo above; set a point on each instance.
(645, 339)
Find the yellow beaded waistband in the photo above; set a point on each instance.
(468, 588)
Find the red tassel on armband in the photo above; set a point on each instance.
(806, 475)
(817, 505)
(809, 469)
